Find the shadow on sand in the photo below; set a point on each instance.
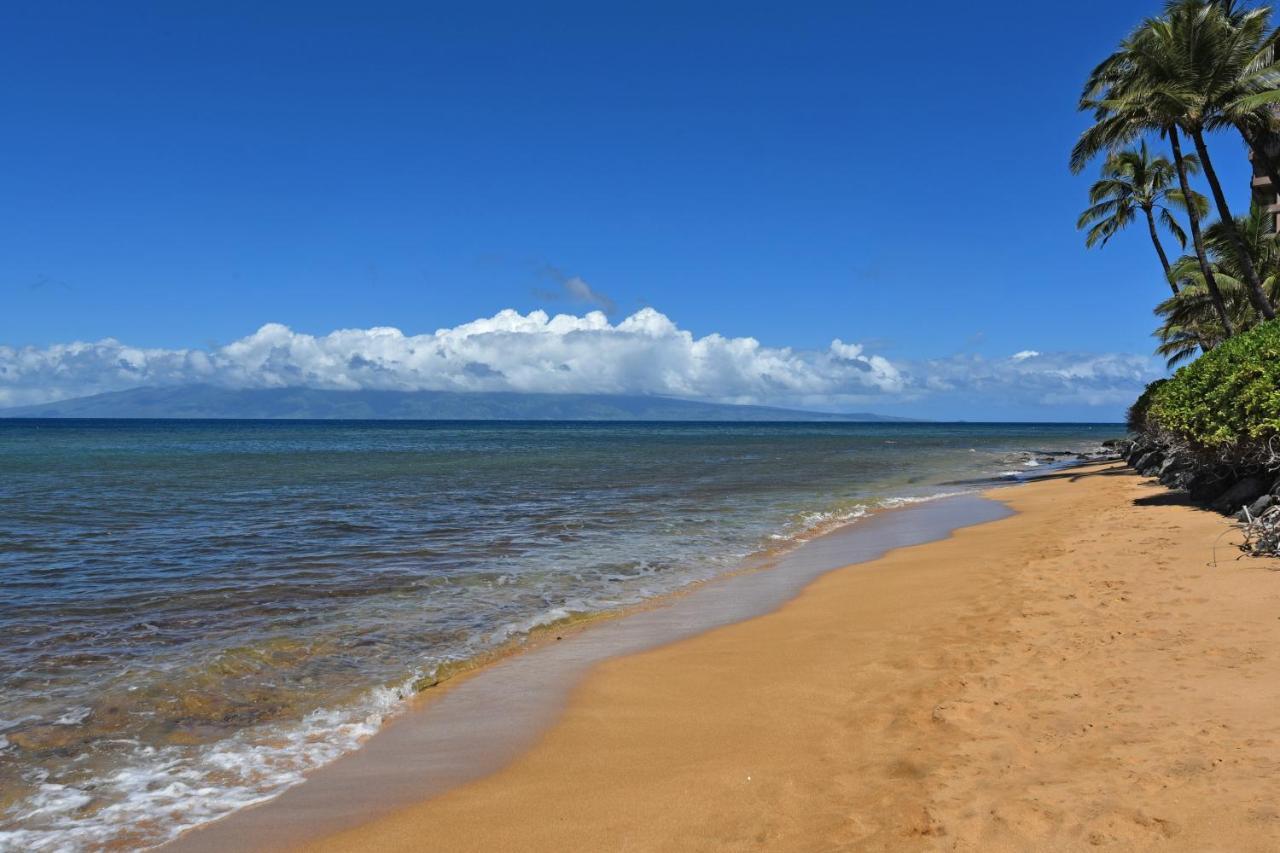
(1169, 497)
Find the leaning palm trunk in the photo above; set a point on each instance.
(1253, 284)
(1155, 241)
(1197, 238)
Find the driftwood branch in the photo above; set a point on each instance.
(1262, 533)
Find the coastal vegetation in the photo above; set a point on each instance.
(1227, 402)
(1213, 429)
(1188, 323)
(1196, 69)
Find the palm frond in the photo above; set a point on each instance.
(1174, 227)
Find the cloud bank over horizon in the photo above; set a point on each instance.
(645, 353)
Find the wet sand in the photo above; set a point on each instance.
(475, 725)
(1079, 675)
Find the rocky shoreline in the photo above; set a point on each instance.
(1250, 493)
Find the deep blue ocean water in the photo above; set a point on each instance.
(194, 613)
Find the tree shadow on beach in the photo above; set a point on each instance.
(1070, 474)
(1172, 497)
(1112, 469)
(1166, 497)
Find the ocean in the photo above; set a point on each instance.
(196, 613)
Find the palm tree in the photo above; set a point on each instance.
(1132, 180)
(1198, 58)
(1189, 321)
(1258, 242)
(1249, 100)
(1124, 108)
(1178, 343)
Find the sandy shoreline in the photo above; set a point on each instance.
(1075, 676)
(475, 725)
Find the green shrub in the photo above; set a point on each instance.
(1228, 398)
(1136, 419)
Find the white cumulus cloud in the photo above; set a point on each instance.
(645, 353)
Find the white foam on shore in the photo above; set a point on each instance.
(892, 503)
(538, 620)
(162, 791)
(810, 524)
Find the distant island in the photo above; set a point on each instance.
(208, 401)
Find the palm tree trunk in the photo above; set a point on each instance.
(1155, 241)
(1197, 238)
(1252, 285)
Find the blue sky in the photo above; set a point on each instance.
(892, 177)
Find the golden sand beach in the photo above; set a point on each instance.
(1098, 670)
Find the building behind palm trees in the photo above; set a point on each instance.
(1265, 195)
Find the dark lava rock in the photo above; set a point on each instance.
(1257, 508)
(1175, 471)
(1242, 493)
(1206, 484)
(1149, 463)
(1136, 449)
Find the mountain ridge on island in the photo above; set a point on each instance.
(194, 402)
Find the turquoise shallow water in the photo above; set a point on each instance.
(195, 613)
